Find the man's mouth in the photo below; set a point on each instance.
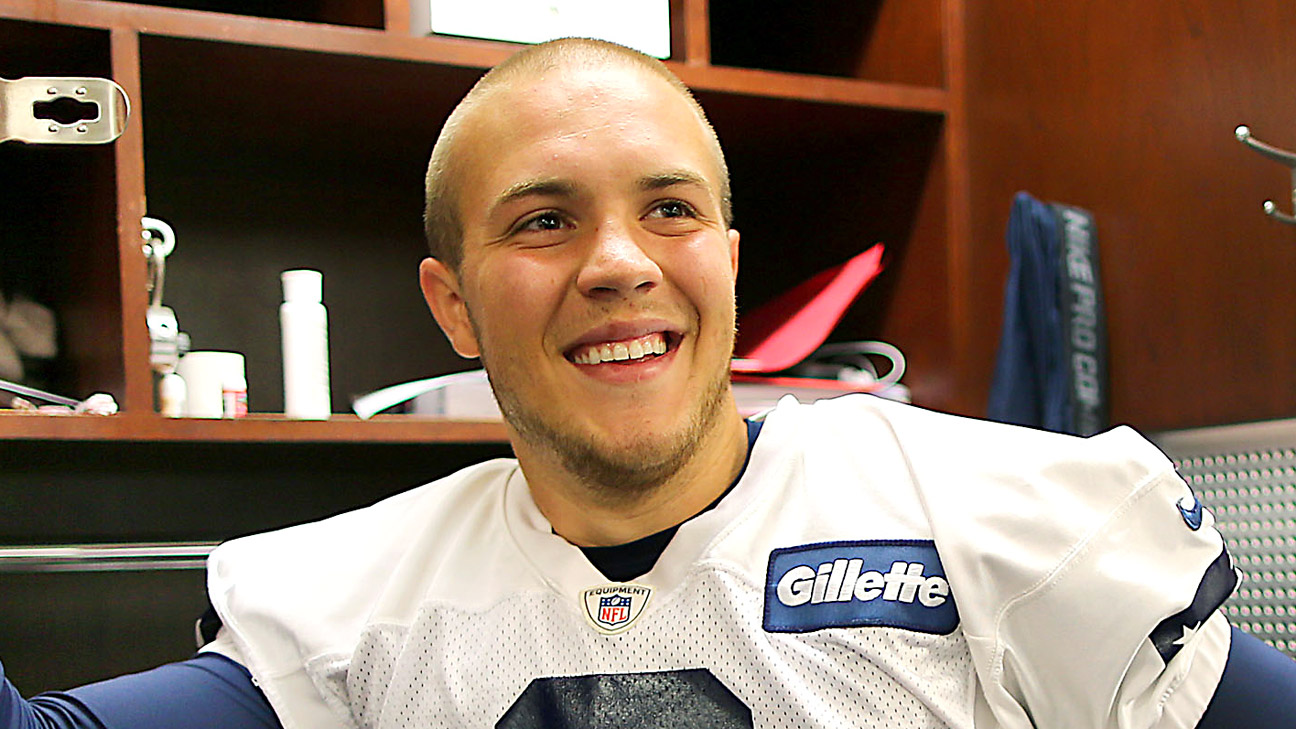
(626, 350)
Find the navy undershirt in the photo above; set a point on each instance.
(624, 562)
(210, 691)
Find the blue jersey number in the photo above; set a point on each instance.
(692, 698)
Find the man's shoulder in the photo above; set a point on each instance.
(355, 551)
(930, 439)
(419, 507)
(307, 590)
(964, 476)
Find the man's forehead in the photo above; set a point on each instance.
(646, 110)
(555, 93)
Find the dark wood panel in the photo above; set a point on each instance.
(897, 41)
(690, 32)
(150, 427)
(913, 303)
(131, 208)
(897, 46)
(263, 31)
(397, 16)
(906, 44)
(1129, 111)
(69, 629)
(813, 88)
(58, 222)
(60, 492)
(358, 13)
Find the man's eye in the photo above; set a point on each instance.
(543, 221)
(671, 209)
(674, 209)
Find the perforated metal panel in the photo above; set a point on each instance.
(1246, 475)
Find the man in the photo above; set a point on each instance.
(650, 559)
(576, 212)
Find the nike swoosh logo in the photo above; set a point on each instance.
(1192, 516)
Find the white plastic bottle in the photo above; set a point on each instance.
(172, 395)
(303, 323)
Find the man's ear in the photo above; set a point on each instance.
(441, 291)
(733, 250)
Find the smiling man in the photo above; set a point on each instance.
(591, 266)
(650, 559)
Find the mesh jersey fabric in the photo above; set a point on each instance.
(450, 603)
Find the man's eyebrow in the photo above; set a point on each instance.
(663, 180)
(540, 187)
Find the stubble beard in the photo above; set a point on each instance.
(617, 473)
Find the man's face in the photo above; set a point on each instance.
(597, 281)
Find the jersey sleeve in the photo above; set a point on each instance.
(1086, 573)
(1110, 617)
(207, 691)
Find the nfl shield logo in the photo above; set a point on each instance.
(614, 608)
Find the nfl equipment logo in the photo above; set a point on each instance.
(614, 608)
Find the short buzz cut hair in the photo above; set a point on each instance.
(441, 220)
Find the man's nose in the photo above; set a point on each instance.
(617, 265)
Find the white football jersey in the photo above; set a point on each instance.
(876, 565)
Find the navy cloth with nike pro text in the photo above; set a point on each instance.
(1051, 371)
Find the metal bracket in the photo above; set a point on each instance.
(1243, 133)
(62, 110)
(167, 343)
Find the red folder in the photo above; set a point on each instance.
(782, 332)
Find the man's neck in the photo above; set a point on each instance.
(589, 516)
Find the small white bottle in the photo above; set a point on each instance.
(303, 323)
(172, 395)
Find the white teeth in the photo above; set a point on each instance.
(634, 349)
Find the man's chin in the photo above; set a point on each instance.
(618, 464)
(625, 459)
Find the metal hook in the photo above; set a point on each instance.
(1243, 133)
(168, 342)
(159, 241)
